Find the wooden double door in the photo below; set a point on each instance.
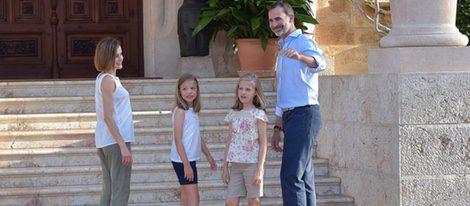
(57, 38)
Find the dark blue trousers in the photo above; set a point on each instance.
(301, 126)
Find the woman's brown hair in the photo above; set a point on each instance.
(180, 102)
(105, 53)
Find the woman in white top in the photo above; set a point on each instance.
(114, 126)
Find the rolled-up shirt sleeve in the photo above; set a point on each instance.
(312, 49)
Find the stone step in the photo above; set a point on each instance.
(141, 173)
(143, 192)
(142, 119)
(322, 200)
(85, 137)
(135, 87)
(47, 154)
(42, 105)
(86, 156)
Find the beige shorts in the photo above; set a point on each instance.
(240, 183)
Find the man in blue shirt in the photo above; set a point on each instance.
(297, 110)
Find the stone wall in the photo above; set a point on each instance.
(345, 35)
(398, 139)
(435, 139)
(360, 135)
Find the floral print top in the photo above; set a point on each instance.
(244, 147)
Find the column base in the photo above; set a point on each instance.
(259, 73)
(418, 59)
(198, 66)
(424, 40)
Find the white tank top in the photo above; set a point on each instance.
(191, 137)
(122, 114)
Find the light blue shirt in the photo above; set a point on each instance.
(297, 83)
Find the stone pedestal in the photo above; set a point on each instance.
(198, 66)
(398, 138)
(399, 135)
(423, 23)
(259, 73)
(418, 59)
(410, 118)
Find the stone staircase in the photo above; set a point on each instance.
(47, 154)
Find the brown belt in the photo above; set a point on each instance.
(292, 108)
(288, 109)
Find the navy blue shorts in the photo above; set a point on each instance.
(179, 169)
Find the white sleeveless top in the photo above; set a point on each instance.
(122, 114)
(191, 137)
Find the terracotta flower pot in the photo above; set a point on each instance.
(254, 59)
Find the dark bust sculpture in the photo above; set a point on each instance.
(188, 15)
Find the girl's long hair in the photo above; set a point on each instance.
(180, 102)
(259, 100)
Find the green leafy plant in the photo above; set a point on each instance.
(248, 18)
(463, 17)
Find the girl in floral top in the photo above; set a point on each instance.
(246, 144)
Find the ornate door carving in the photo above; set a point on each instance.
(56, 38)
(24, 41)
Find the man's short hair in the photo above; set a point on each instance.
(284, 5)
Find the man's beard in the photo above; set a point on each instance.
(284, 29)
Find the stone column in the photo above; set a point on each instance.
(423, 23)
(423, 38)
(161, 49)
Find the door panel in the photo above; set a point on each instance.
(24, 39)
(28, 11)
(57, 38)
(83, 28)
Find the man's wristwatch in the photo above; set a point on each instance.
(277, 127)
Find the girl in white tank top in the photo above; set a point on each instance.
(187, 143)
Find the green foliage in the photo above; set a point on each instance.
(463, 17)
(248, 18)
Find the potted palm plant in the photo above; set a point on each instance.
(247, 27)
